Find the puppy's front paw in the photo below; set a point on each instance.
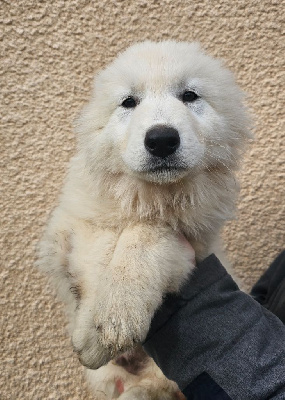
(87, 345)
(112, 328)
(123, 324)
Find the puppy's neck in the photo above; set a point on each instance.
(196, 205)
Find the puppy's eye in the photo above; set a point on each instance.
(189, 96)
(129, 102)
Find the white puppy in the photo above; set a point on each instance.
(158, 147)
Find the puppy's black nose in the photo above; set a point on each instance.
(162, 141)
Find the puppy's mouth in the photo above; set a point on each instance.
(168, 165)
(164, 169)
(163, 172)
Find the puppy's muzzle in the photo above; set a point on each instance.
(162, 141)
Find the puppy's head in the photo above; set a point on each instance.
(162, 112)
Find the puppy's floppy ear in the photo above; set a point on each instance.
(95, 115)
(91, 118)
(195, 46)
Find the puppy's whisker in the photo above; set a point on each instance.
(217, 138)
(228, 153)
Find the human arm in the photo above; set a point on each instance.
(214, 328)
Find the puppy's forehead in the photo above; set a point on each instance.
(156, 66)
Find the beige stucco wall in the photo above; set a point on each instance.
(49, 53)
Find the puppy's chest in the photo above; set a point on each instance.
(189, 228)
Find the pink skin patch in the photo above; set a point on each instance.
(119, 385)
(180, 396)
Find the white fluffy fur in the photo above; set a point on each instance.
(112, 246)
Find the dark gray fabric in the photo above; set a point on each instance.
(215, 328)
(205, 388)
(270, 288)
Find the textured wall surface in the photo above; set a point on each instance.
(50, 51)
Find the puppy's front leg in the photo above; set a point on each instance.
(147, 262)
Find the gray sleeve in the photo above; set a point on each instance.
(214, 327)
